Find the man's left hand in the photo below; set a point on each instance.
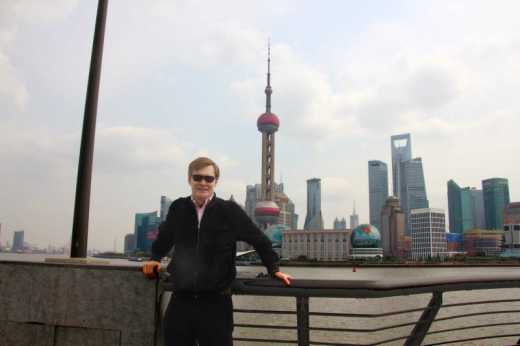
(286, 279)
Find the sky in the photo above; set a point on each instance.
(186, 78)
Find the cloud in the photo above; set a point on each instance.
(13, 93)
(128, 149)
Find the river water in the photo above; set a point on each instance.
(373, 306)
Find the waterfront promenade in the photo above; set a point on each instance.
(114, 305)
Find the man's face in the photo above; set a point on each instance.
(202, 190)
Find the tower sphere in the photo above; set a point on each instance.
(268, 122)
(267, 212)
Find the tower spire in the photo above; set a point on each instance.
(268, 90)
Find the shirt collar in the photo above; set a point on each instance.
(205, 202)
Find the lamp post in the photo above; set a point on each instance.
(82, 201)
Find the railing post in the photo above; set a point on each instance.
(423, 325)
(302, 314)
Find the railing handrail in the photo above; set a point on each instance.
(373, 288)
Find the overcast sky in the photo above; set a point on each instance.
(186, 78)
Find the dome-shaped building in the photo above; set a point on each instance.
(366, 241)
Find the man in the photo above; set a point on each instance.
(203, 231)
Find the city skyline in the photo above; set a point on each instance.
(342, 89)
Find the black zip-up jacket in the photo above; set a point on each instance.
(204, 255)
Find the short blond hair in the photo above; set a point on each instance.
(201, 162)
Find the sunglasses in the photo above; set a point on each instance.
(207, 178)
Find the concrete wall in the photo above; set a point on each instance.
(75, 305)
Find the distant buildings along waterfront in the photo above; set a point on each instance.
(313, 219)
(377, 189)
(496, 197)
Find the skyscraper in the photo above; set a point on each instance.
(18, 241)
(392, 228)
(146, 229)
(496, 197)
(129, 243)
(459, 208)
(287, 210)
(253, 195)
(413, 188)
(313, 219)
(266, 210)
(165, 206)
(354, 218)
(478, 214)
(377, 189)
(401, 152)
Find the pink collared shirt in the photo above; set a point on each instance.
(200, 210)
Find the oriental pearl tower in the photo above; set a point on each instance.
(267, 211)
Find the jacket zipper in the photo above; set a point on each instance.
(197, 255)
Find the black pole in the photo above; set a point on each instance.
(78, 246)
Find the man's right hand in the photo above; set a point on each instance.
(151, 268)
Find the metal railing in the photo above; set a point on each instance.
(304, 290)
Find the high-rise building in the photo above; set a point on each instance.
(460, 209)
(377, 189)
(392, 228)
(129, 243)
(266, 210)
(496, 197)
(340, 224)
(286, 217)
(401, 152)
(313, 219)
(354, 218)
(428, 233)
(146, 230)
(253, 195)
(413, 188)
(478, 214)
(18, 241)
(165, 206)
